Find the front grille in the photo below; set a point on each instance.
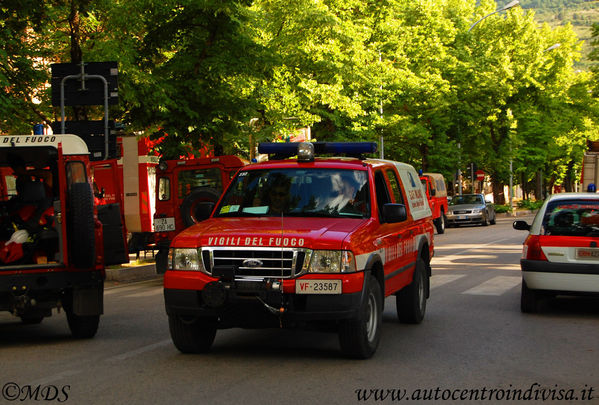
(256, 262)
(462, 212)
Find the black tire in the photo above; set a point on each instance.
(529, 300)
(359, 337)
(32, 319)
(485, 221)
(83, 327)
(440, 224)
(161, 259)
(193, 336)
(494, 220)
(194, 208)
(410, 301)
(81, 226)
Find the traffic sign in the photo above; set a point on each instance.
(480, 175)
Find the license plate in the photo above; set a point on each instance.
(318, 286)
(164, 224)
(587, 254)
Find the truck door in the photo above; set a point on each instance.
(394, 238)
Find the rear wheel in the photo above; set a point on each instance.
(440, 223)
(192, 336)
(359, 337)
(83, 327)
(529, 299)
(410, 301)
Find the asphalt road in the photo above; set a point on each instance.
(474, 346)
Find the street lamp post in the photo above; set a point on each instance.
(511, 4)
(506, 7)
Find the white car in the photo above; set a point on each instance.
(561, 253)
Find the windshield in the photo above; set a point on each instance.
(298, 192)
(466, 199)
(572, 218)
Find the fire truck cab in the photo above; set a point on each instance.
(186, 192)
(52, 252)
(308, 242)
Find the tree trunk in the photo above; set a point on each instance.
(498, 195)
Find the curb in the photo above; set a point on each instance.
(130, 274)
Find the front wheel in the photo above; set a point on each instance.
(410, 301)
(192, 336)
(359, 337)
(161, 259)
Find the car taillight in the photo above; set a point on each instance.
(532, 249)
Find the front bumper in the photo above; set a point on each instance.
(239, 304)
(561, 277)
(457, 219)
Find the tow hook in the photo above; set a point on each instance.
(20, 299)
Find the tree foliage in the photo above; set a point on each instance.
(412, 73)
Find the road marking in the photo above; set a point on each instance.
(150, 293)
(495, 286)
(133, 353)
(440, 279)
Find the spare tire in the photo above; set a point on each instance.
(198, 205)
(81, 226)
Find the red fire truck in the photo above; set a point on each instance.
(305, 242)
(55, 242)
(436, 194)
(161, 197)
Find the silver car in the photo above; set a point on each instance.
(469, 209)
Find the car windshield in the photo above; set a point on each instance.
(466, 199)
(297, 192)
(572, 218)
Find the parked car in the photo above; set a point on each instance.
(560, 254)
(469, 209)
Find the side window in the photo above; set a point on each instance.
(382, 193)
(394, 181)
(164, 189)
(76, 173)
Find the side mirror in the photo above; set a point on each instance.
(521, 225)
(394, 213)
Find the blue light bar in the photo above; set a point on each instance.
(282, 150)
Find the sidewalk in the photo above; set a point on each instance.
(135, 270)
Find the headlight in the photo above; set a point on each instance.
(332, 261)
(185, 259)
(476, 210)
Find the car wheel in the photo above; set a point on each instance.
(83, 327)
(359, 337)
(494, 220)
(192, 336)
(81, 226)
(529, 299)
(440, 223)
(485, 221)
(161, 260)
(410, 302)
